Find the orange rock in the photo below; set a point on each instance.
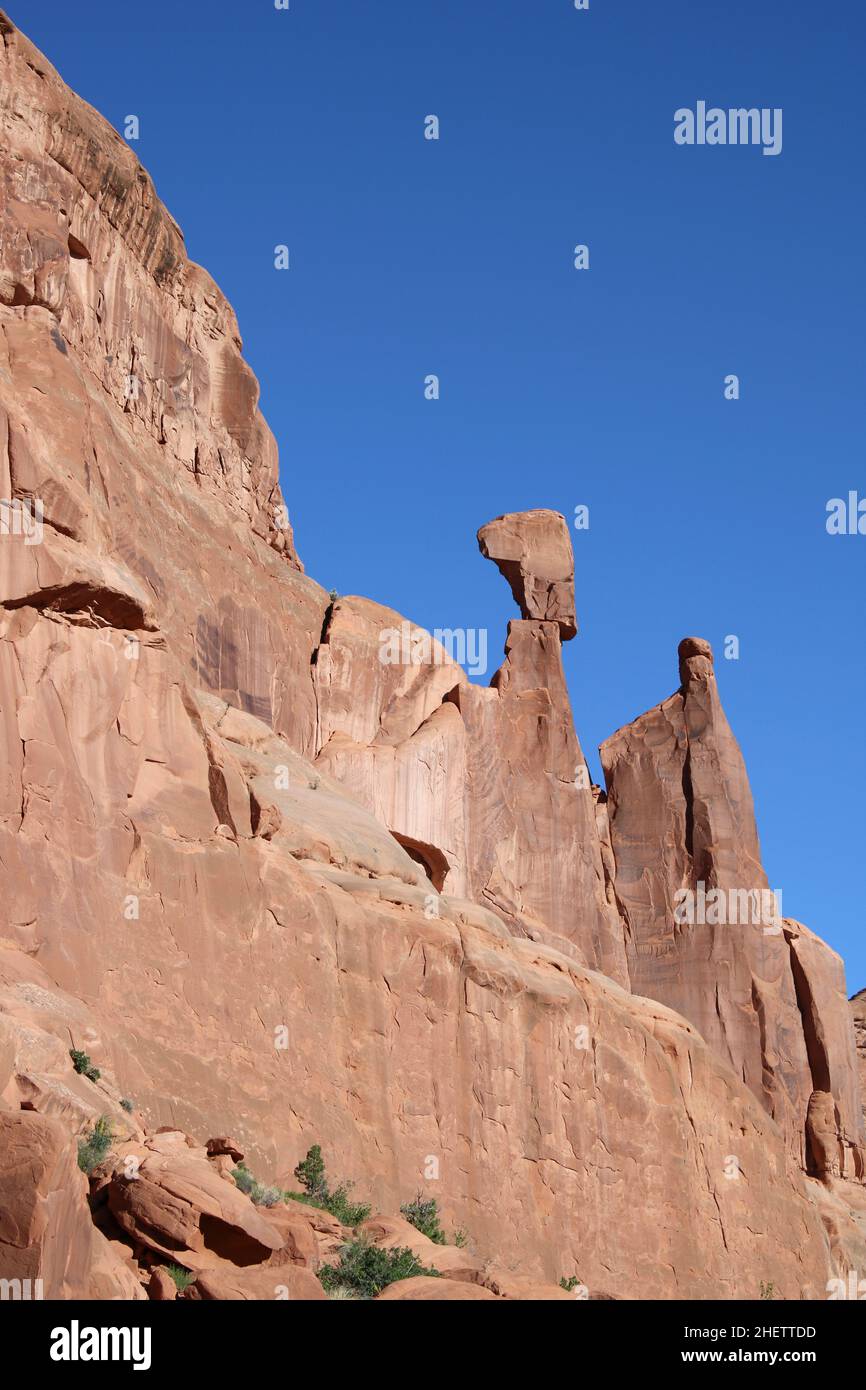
(533, 552)
(218, 1147)
(49, 1248)
(300, 1243)
(702, 932)
(426, 1290)
(176, 1205)
(162, 1286)
(288, 1283)
(858, 1016)
(308, 897)
(517, 1286)
(394, 1232)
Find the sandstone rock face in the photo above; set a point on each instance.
(424, 1290)
(533, 552)
(858, 1016)
(176, 1205)
(289, 892)
(156, 471)
(703, 931)
(486, 788)
(281, 1285)
(49, 1248)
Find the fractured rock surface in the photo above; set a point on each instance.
(691, 887)
(282, 890)
(533, 552)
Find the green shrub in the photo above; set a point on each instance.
(127, 1105)
(256, 1191)
(83, 1065)
(268, 1196)
(461, 1238)
(569, 1284)
(367, 1270)
(768, 1290)
(310, 1173)
(424, 1216)
(93, 1149)
(244, 1179)
(182, 1277)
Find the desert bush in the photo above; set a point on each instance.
(127, 1105)
(424, 1216)
(268, 1196)
(93, 1149)
(367, 1269)
(83, 1065)
(310, 1173)
(244, 1178)
(182, 1277)
(256, 1191)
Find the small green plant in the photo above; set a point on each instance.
(569, 1284)
(256, 1191)
(768, 1290)
(93, 1149)
(333, 596)
(244, 1178)
(461, 1238)
(127, 1105)
(424, 1216)
(182, 1277)
(268, 1196)
(310, 1173)
(366, 1269)
(83, 1065)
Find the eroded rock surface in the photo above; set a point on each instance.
(858, 1015)
(533, 551)
(703, 930)
(285, 891)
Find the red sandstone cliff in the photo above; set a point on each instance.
(276, 887)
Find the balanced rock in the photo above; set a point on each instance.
(533, 551)
(226, 823)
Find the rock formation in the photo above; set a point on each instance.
(533, 551)
(704, 932)
(284, 880)
(858, 1015)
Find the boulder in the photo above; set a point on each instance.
(423, 1289)
(49, 1247)
(286, 1284)
(533, 551)
(175, 1205)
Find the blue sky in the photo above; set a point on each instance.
(558, 387)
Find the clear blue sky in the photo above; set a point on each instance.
(558, 387)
